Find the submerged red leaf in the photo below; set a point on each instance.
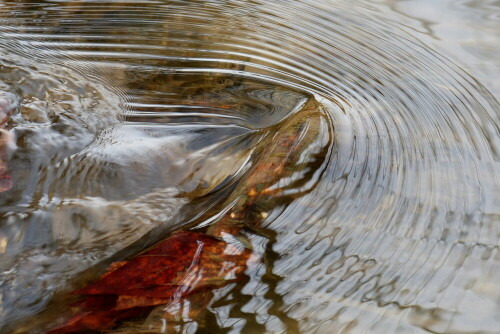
(166, 267)
(174, 268)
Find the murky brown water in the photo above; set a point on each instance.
(135, 118)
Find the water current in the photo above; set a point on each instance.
(132, 119)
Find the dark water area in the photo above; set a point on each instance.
(124, 121)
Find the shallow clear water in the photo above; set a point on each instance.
(134, 119)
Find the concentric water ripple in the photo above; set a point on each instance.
(397, 230)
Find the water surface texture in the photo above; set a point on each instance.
(135, 118)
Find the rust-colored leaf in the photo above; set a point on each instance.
(126, 302)
(184, 263)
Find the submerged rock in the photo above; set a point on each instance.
(8, 104)
(7, 147)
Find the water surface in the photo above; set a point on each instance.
(136, 117)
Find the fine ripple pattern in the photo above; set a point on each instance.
(398, 229)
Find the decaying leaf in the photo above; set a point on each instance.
(184, 263)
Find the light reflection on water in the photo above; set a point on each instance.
(135, 116)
